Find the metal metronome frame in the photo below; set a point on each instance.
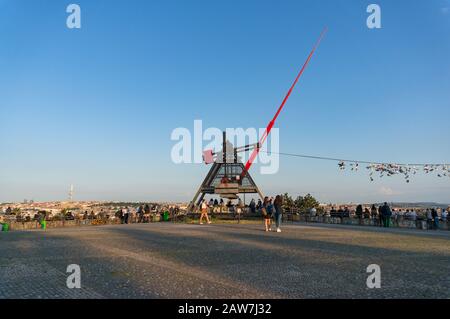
(218, 181)
(224, 178)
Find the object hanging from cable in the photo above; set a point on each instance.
(383, 169)
(272, 122)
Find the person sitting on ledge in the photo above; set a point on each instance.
(444, 215)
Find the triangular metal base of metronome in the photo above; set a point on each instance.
(213, 183)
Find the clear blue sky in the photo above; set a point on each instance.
(95, 107)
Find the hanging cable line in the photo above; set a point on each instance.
(351, 160)
(383, 168)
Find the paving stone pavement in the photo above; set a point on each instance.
(165, 260)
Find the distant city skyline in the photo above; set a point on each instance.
(95, 107)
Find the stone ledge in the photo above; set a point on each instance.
(401, 223)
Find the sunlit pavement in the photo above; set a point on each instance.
(165, 260)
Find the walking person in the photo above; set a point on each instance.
(265, 213)
(278, 203)
(204, 212)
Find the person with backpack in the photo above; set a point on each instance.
(265, 211)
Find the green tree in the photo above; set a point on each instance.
(288, 202)
(306, 202)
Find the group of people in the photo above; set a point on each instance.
(219, 206)
(272, 209)
(141, 215)
(385, 215)
(433, 218)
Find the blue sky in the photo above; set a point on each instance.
(96, 106)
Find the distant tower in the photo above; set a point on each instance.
(71, 192)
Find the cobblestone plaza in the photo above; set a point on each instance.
(166, 260)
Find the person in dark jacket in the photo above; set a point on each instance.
(252, 206)
(435, 216)
(387, 213)
(278, 204)
(140, 212)
(359, 213)
(267, 205)
(380, 216)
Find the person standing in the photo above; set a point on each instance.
(278, 203)
(413, 215)
(366, 213)
(265, 213)
(435, 216)
(204, 212)
(270, 212)
(222, 205)
(252, 206)
(119, 215)
(387, 213)
(126, 214)
(147, 213)
(374, 213)
(259, 205)
(444, 215)
(381, 215)
(429, 219)
(359, 213)
(140, 213)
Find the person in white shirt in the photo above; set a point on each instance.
(204, 212)
(413, 215)
(444, 215)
